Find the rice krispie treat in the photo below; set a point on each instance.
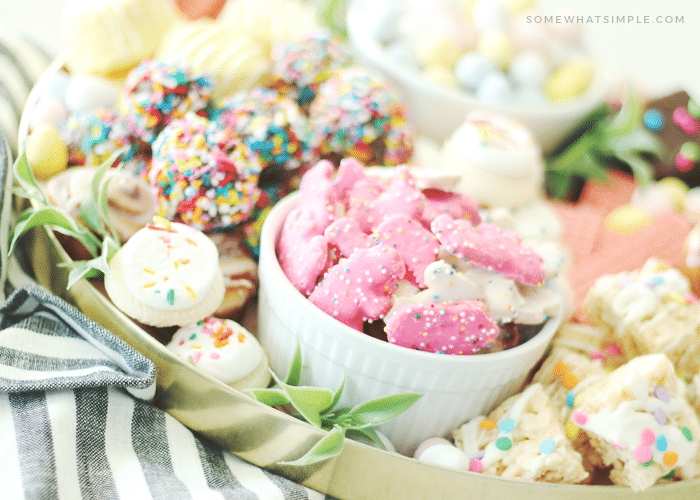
(522, 438)
(649, 310)
(637, 421)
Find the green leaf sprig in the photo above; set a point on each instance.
(317, 406)
(601, 141)
(94, 231)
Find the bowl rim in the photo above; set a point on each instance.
(269, 263)
(362, 38)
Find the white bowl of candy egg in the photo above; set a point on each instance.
(454, 387)
(450, 58)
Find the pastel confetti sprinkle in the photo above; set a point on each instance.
(547, 446)
(571, 430)
(570, 399)
(507, 426)
(643, 454)
(487, 424)
(670, 458)
(661, 443)
(560, 369)
(687, 434)
(670, 475)
(570, 380)
(475, 465)
(647, 437)
(659, 416)
(662, 394)
(503, 443)
(580, 418)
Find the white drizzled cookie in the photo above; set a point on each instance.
(225, 350)
(166, 274)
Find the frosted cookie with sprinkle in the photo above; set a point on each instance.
(166, 274)
(637, 420)
(522, 438)
(224, 350)
(488, 247)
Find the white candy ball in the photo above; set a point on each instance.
(529, 69)
(495, 89)
(446, 455)
(48, 110)
(86, 93)
(428, 443)
(471, 69)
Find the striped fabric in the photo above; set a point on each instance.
(75, 414)
(76, 421)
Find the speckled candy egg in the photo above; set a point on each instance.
(570, 80)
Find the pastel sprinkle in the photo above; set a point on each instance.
(690, 298)
(570, 398)
(580, 418)
(648, 463)
(670, 475)
(507, 426)
(171, 297)
(571, 430)
(654, 120)
(643, 454)
(647, 437)
(688, 435)
(475, 465)
(560, 369)
(547, 446)
(662, 394)
(617, 444)
(670, 458)
(659, 416)
(661, 443)
(214, 355)
(487, 424)
(197, 355)
(613, 351)
(570, 380)
(503, 443)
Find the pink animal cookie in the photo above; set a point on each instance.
(417, 246)
(457, 328)
(456, 205)
(490, 248)
(302, 250)
(359, 288)
(318, 196)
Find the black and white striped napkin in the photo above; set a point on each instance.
(76, 422)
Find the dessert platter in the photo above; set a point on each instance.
(270, 214)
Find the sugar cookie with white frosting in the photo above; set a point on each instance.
(225, 350)
(167, 274)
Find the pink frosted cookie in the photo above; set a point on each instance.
(318, 194)
(359, 288)
(456, 205)
(302, 250)
(488, 247)
(346, 235)
(460, 328)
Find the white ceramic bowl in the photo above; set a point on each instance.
(454, 388)
(437, 111)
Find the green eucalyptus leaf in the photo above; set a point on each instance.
(365, 433)
(82, 269)
(271, 397)
(638, 140)
(308, 401)
(328, 446)
(25, 177)
(91, 216)
(54, 217)
(100, 187)
(294, 373)
(642, 171)
(336, 395)
(380, 410)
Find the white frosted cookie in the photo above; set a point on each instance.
(522, 438)
(225, 350)
(167, 274)
(637, 420)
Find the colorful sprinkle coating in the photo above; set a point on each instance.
(356, 113)
(272, 126)
(300, 67)
(197, 182)
(157, 92)
(93, 137)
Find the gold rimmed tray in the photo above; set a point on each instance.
(263, 436)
